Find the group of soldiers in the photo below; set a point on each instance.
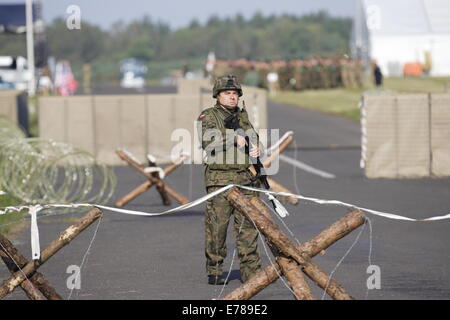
(317, 73)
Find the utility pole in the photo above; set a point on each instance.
(30, 48)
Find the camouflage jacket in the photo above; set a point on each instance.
(225, 162)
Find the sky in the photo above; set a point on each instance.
(179, 13)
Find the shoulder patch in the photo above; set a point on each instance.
(204, 114)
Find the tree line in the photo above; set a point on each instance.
(256, 38)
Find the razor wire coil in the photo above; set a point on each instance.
(37, 170)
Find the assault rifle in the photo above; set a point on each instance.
(232, 122)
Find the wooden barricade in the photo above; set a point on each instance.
(25, 274)
(274, 185)
(292, 261)
(153, 179)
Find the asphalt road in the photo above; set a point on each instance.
(162, 257)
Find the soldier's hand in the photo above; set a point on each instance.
(240, 141)
(254, 152)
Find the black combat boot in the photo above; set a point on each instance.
(217, 280)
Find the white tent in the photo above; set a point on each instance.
(395, 32)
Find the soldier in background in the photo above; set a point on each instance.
(377, 75)
(324, 74)
(288, 79)
(185, 69)
(252, 78)
(346, 73)
(315, 77)
(220, 172)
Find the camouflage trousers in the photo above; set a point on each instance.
(217, 218)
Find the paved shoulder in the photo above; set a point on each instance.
(314, 128)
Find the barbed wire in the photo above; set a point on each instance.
(38, 170)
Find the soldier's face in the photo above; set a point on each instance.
(228, 98)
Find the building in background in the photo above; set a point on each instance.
(404, 37)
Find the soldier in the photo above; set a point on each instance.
(219, 172)
(378, 76)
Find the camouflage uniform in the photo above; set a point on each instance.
(218, 173)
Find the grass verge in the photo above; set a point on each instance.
(9, 222)
(344, 102)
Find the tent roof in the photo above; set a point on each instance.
(394, 17)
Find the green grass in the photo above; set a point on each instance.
(33, 121)
(335, 101)
(7, 219)
(344, 102)
(417, 85)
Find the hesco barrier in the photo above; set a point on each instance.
(406, 136)
(141, 124)
(13, 106)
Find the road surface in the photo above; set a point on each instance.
(162, 257)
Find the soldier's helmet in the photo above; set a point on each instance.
(226, 83)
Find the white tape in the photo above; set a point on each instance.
(16, 209)
(351, 206)
(279, 142)
(151, 158)
(307, 168)
(35, 246)
(130, 155)
(160, 171)
(279, 208)
(213, 194)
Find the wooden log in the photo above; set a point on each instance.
(31, 291)
(288, 267)
(270, 230)
(268, 161)
(284, 245)
(256, 284)
(64, 238)
(160, 188)
(334, 233)
(277, 187)
(159, 183)
(13, 259)
(178, 197)
(134, 193)
(138, 167)
(295, 278)
(323, 280)
(148, 184)
(168, 170)
(326, 238)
